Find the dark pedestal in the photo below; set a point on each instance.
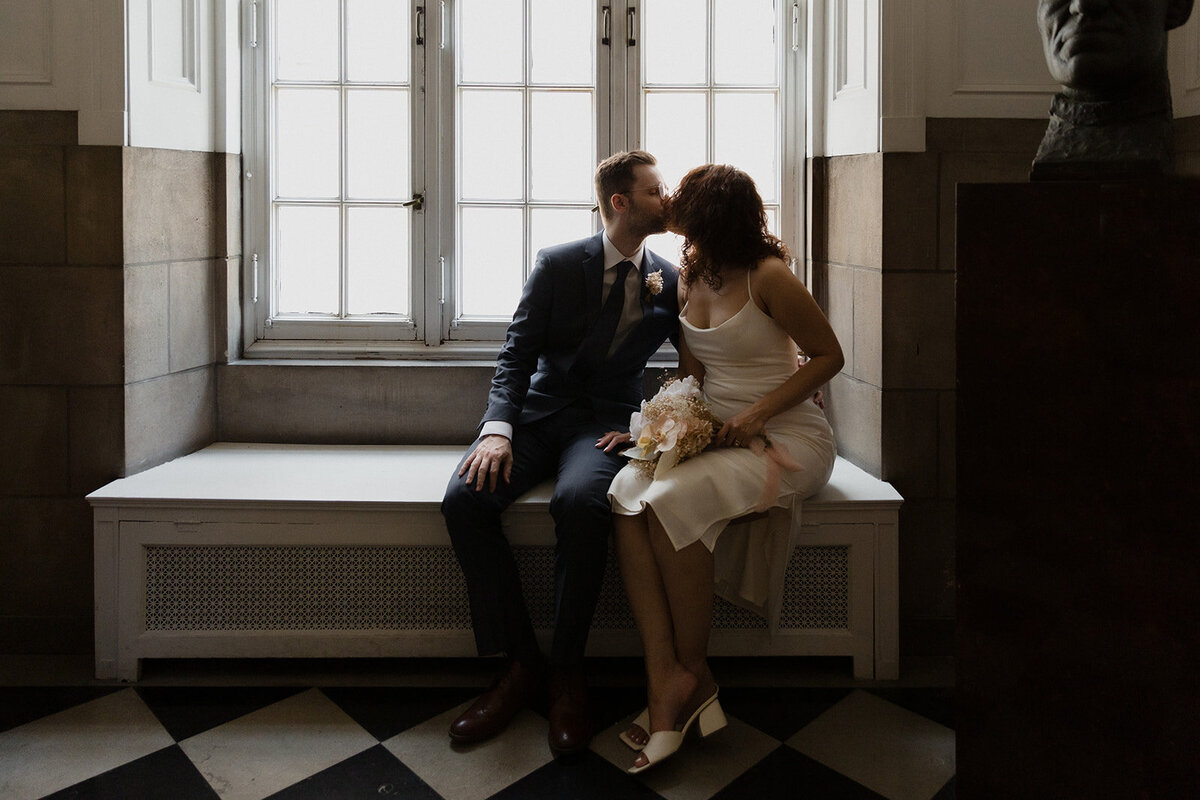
(1078, 435)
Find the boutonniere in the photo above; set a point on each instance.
(653, 285)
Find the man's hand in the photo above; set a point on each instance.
(491, 458)
(611, 439)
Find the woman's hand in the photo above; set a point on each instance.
(741, 429)
(611, 439)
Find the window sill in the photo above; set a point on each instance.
(395, 353)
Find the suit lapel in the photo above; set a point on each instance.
(593, 278)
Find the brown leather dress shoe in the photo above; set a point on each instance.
(494, 709)
(570, 717)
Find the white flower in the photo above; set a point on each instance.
(654, 283)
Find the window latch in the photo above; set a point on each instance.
(629, 26)
(417, 202)
(606, 26)
(420, 26)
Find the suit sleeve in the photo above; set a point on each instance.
(525, 342)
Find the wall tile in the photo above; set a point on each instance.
(170, 205)
(839, 308)
(927, 549)
(362, 404)
(918, 330)
(228, 308)
(854, 412)
(910, 442)
(910, 211)
(229, 203)
(956, 168)
(94, 224)
(61, 325)
(146, 321)
(33, 440)
(981, 135)
(33, 222)
(168, 417)
(23, 635)
(1187, 134)
(45, 556)
(868, 326)
(855, 200)
(97, 436)
(192, 290)
(55, 128)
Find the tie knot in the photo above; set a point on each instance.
(623, 270)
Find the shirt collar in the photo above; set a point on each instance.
(612, 256)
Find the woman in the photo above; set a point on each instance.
(743, 315)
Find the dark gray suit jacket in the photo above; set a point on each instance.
(545, 364)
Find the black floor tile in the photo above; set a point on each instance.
(371, 773)
(22, 704)
(948, 792)
(586, 776)
(163, 775)
(189, 710)
(788, 773)
(935, 704)
(779, 712)
(611, 703)
(387, 711)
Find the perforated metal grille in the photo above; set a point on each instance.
(817, 589)
(362, 587)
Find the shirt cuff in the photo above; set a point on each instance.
(497, 426)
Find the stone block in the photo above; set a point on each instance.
(927, 550)
(854, 410)
(34, 432)
(94, 224)
(982, 135)
(972, 167)
(97, 436)
(45, 556)
(910, 442)
(168, 417)
(839, 308)
(910, 211)
(868, 326)
(918, 330)
(947, 453)
(147, 309)
(171, 206)
(33, 223)
(855, 210)
(192, 318)
(61, 325)
(52, 128)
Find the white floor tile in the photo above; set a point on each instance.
(899, 754)
(272, 748)
(701, 768)
(63, 749)
(477, 771)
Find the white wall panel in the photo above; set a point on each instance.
(852, 93)
(985, 60)
(172, 82)
(26, 32)
(903, 76)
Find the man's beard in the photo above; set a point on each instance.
(648, 224)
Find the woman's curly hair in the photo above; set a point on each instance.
(718, 210)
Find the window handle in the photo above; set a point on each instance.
(606, 26)
(417, 202)
(629, 23)
(420, 25)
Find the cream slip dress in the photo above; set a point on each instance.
(744, 358)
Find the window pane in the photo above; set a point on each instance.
(744, 41)
(377, 41)
(562, 41)
(549, 226)
(306, 259)
(492, 165)
(667, 245)
(377, 260)
(377, 157)
(773, 219)
(491, 46)
(673, 34)
(491, 262)
(306, 147)
(676, 132)
(306, 40)
(563, 145)
(744, 135)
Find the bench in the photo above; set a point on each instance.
(298, 551)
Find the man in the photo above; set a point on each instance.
(591, 315)
(1114, 113)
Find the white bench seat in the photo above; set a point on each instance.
(264, 550)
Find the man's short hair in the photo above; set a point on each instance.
(614, 175)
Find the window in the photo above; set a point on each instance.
(405, 159)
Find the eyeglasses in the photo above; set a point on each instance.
(660, 190)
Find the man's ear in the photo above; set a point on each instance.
(619, 202)
(1178, 12)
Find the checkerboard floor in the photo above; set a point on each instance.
(330, 742)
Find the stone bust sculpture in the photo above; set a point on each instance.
(1113, 116)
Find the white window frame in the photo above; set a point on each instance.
(434, 291)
